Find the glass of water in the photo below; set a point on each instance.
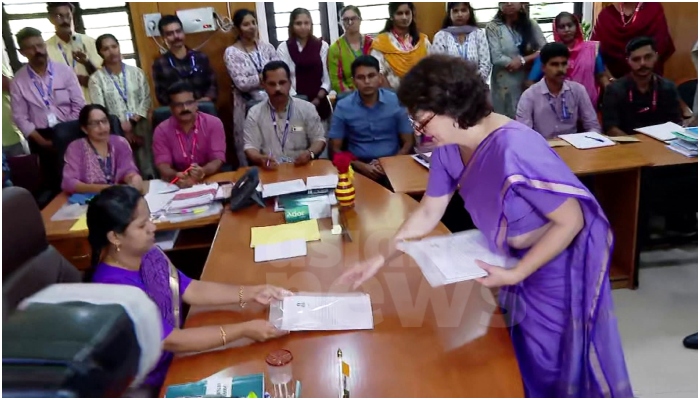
(279, 368)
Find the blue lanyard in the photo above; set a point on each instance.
(258, 65)
(39, 84)
(193, 68)
(105, 164)
(565, 114)
(65, 57)
(517, 38)
(273, 116)
(124, 94)
(463, 49)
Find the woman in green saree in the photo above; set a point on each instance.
(346, 49)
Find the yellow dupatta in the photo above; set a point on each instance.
(400, 61)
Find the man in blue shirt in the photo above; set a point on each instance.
(370, 123)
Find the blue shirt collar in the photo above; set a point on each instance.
(358, 100)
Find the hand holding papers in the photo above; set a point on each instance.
(452, 258)
(322, 312)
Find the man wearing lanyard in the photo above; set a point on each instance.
(190, 145)
(70, 48)
(644, 98)
(370, 122)
(181, 63)
(641, 98)
(284, 129)
(43, 93)
(556, 106)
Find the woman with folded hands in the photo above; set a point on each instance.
(121, 236)
(100, 159)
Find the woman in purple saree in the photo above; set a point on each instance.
(121, 235)
(528, 203)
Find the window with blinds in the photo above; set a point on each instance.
(542, 12)
(91, 18)
(374, 16)
(278, 19)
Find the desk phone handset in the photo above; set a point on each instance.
(244, 193)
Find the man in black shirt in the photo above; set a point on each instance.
(182, 64)
(641, 98)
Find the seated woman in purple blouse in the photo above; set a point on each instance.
(121, 236)
(100, 159)
(529, 205)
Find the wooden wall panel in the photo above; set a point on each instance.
(429, 17)
(683, 23)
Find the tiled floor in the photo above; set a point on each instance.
(653, 321)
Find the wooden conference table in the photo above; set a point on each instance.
(617, 170)
(442, 342)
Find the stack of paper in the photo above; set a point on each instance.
(452, 258)
(322, 182)
(587, 140)
(285, 187)
(158, 186)
(323, 312)
(686, 142)
(662, 132)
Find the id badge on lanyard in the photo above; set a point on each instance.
(285, 133)
(45, 92)
(193, 149)
(124, 94)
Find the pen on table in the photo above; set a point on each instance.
(596, 139)
(178, 178)
(269, 155)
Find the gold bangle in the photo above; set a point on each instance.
(240, 297)
(223, 336)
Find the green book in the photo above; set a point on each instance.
(248, 386)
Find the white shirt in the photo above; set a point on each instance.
(477, 49)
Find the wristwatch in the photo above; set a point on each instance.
(522, 60)
(313, 156)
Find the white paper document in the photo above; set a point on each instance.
(286, 187)
(587, 140)
(322, 182)
(280, 251)
(425, 160)
(662, 132)
(157, 186)
(157, 202)
(323, 312)
(452, 258)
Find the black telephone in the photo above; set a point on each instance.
(244, 193)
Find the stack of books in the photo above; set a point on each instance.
(685, 142)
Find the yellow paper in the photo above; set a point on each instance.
(346, 369)
(557, 143)
(307, 230)
(80, 224)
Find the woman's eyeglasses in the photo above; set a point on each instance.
(419, 126)
(350, 20)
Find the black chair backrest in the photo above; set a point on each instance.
(31, 264)
(687, 91)
(160, 114)
(66, 132)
